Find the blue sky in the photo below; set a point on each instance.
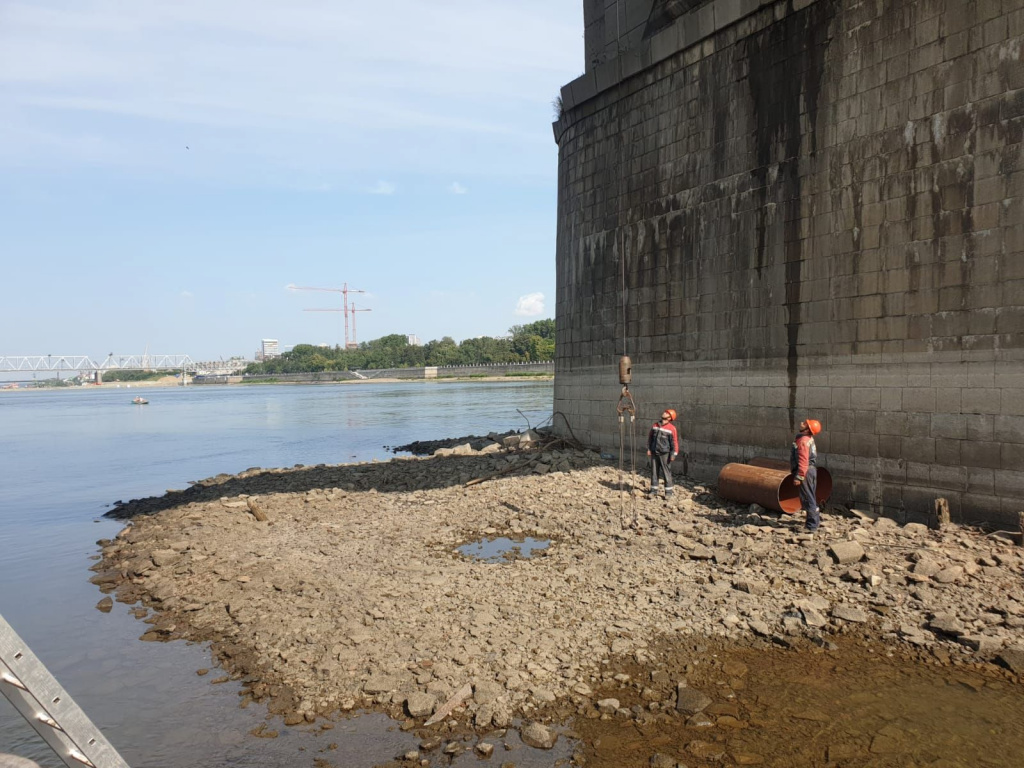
(168, 167)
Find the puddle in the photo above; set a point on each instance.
(848, 708)
(502, 549)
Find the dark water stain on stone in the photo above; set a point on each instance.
(502, 549)
(787, 62)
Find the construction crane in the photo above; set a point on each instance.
(352, 310)
(344, 291)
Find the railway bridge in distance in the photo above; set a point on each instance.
(96, 367)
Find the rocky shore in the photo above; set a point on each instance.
(335, 588)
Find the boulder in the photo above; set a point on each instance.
(1012, 658)
(538, 736)
(380, 684)
(849, 613)
(419, 704)
(608, 706)
(846, 552)
(690, 700)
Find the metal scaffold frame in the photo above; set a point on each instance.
(48, 708)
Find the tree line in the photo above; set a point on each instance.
(525, 343)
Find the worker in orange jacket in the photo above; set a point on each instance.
(803, 463)
(662, 447)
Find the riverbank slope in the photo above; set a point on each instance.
(350, 592)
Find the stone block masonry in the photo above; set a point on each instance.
(803, 208)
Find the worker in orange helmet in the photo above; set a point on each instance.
(662, 447)
(803, 463)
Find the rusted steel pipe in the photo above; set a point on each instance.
(824, 489)
(771, 488)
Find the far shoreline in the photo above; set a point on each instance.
(163, 384)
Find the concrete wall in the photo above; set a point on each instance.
(456, 371)
(806, 208)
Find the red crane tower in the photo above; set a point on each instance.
(353, 311)
(344, 291)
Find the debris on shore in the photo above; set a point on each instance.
(351, 594)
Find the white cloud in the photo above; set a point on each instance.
(257, 83)
(382, 188)
(457, 189)
(530, 305)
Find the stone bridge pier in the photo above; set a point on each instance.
(793, 208)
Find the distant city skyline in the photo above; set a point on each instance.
(151, 199)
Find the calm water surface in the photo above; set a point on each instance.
(67, 455)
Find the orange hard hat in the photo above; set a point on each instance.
(813, 426)
(671, 414)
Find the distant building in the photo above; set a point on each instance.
(414, 340)
(269, 349)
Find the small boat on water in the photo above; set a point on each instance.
(140, 401)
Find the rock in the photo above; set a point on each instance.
(946, 624)
(746, 758)
(487, 692)
(750, 587)
(484, 749)
(983, 644)
(105, 605)
(812, 618)
(538, 736)
(690, 700)
(380, 684)
(846, 552)
(949, 575)
(706, 750)
(700, 720)
(925, 567)
(104, 578)
(914, 529)
(660, 760)
(419, 704)
(608, 706)
(760, 628)
(700, 552)
(849, 613)
(512, 441)
(165, 557)
(756, 509)
(1013, 659)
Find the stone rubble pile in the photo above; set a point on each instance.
(351, 593)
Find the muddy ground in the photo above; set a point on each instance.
(668, 632)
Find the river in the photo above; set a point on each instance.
(67, 455)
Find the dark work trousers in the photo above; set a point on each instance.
(660, 467)
(809, 499)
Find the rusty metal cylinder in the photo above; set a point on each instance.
(625, 370)
(771, 488)
(824, 490)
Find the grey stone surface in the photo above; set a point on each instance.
(816, 210)
(690, 700)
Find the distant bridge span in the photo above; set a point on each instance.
(83, 363)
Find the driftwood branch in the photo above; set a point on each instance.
(446, 709)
